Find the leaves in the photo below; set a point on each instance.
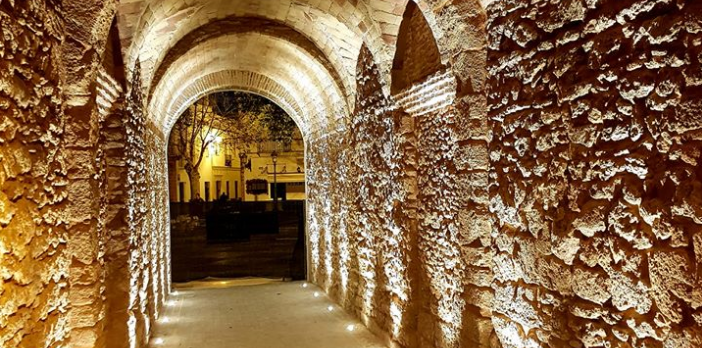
(243, 120)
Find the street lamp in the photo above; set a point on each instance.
(274, 156)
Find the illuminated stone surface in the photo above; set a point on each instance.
(480, 173)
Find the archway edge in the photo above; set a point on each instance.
(291, 107)
(459, 29)
(309, 85)
(234, 25)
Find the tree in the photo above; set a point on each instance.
(257, 120)
(196, 129)
(280, 126)
(239, 119)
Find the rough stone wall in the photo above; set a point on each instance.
(362, 224)
(116, 225)
(86, 238)
(147, 219)
(66, 237)
(34, 262)
(399, 222)
(595, 112)
(454, 234)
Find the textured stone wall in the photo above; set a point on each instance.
(595, 174)
(416, 242)
(401, 236)
(34, 262)
(147, 218)
(67, 239)
(86, 239)
(116, 225)
(362, 224)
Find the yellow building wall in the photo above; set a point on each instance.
(213, 170)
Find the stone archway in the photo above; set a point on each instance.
(544, 148)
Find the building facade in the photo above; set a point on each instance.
(224, 171)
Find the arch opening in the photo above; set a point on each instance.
(417, 54)
(237, 190)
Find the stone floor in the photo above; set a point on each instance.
(256, 313)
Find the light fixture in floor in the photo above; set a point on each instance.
(330, 308)
(165, 320)
(351, 327)
(304, 285)
(316, 294)
(158, 341)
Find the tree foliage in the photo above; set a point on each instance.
(241, 120)
(257, 119)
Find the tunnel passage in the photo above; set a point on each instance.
(481, 173)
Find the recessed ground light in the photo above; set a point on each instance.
(351, 327)
(158, 341)
(330, 308)
(316, 294)
(304, 285)
(174, 293)
(165, 320)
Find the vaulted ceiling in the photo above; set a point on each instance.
(301, 53)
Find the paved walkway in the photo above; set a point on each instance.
(256, 313)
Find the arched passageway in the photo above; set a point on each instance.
(480, 173)
(236, 177)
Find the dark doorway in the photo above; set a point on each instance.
(181, 192)
(207, 191)
(280, 192)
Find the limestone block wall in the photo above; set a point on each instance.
(74, 231)
(148, 221)
(34, 261)
(362, 225)
(595, 174)
(399, 224)
(87, 238)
